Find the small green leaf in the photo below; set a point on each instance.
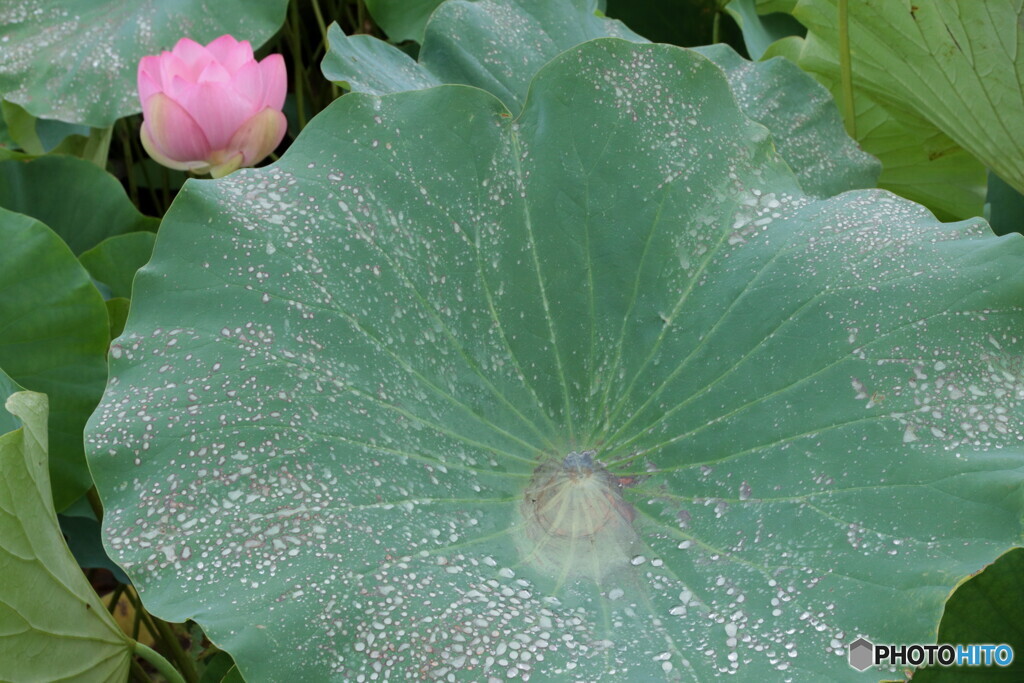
(986, 608)
(79, 65)
(92, 207)
(115, 260)
(52, 625)
(54, 339)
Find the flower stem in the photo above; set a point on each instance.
(846, 69)
(97, 146)
(158, 662)
(160, 628)
(295, 42)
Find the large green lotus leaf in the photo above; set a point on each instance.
(402, 19)
(985, 609)
(499, 46)
(53, 339)
(77, 62)
(92, 204)
(954, 63)
(919, 161)
(594, 393)
(53, 627)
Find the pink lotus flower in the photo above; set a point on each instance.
(211, 109)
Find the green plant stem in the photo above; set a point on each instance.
(137, 624)
(295, 42)
(94, 502)
(846, 69)
(352, 19)
(320, 21)
(158, 662)
(168, 637)
(138, 673)
(115, 596)
(129, 171)
(161, 629)
(361, 14)
(97, 147)
(716, 27)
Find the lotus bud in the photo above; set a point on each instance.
(211, 109)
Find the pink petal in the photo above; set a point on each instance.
(248, 82)
(221, 47)
(189, 51)
(162, 159)
(178, 88)
(148, 86)
(214, 73)
(233, 54)
(275, 81)
(171, 67)
(150, 66)
(259, 136)
(218, 110)
(174, 133)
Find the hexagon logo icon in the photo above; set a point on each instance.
(861, 653)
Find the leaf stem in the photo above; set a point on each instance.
(295, 43)
(158, 662)
(94, 502)
(846, 69)
(320, 21)
(97, 146)
(361, 13)
(115, 597)
(161, 629)
(138, 673)
(124, 135)
(168, 636)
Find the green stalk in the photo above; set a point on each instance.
(846, 69)
(716, 27)
(161, 629)
(115, 597)
(295, 42)
(158, 662)
(97, 147)
(320, 21)
(124, 135)
(168, 637)
(94, 502)
(138, 673)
